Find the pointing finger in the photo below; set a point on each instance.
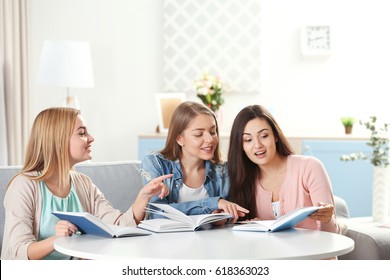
(162, 178)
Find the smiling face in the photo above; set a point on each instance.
(259, 143)
(80, 142)
(199, 140)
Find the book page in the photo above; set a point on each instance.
(164, 225)
(184, 220)
(193, 221)
(126, 230)
(254, 226)
(171, 213)
(209, 218)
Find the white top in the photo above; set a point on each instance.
(190, 194)
(276, 208)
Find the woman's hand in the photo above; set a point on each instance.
(233, 209)
(154, 187)
(65, 228)
(324, 214)
(39, 249)
(221, 222)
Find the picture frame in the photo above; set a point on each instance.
(166, 103)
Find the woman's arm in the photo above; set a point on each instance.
(155, 188)
(22, 206)
(19, 205)
(320, 189)
(153, 166)
(40, 249)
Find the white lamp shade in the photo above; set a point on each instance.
(66, 64)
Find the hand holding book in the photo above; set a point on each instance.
(286, 221)
(324, 213)
(89, 224)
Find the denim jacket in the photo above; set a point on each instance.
(216, 184)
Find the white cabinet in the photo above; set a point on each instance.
(351, 180)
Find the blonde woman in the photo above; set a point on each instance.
(59, 139)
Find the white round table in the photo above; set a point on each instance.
(218, 243)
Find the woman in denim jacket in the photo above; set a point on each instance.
(200, 182)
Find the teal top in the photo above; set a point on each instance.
(51, 203)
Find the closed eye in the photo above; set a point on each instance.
(82, 132)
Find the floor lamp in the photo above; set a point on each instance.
(66, 64)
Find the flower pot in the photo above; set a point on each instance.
(348, 129)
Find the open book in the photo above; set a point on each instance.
(89, 224)
(285, 221)
(177, 220)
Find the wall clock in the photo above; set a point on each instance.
(315, 40)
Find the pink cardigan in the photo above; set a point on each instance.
(305, 184)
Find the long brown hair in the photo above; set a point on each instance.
(48, 146)
(181, 117)
(243, 173)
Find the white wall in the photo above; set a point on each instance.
(307, 96)
(125, 44)
(311, 95)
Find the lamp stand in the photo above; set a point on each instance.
(71, 100)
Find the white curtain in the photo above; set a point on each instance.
(14, 109)
(3, 129)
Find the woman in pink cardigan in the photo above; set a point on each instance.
(269, 180)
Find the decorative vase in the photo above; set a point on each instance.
(219, 116)
(380, 194)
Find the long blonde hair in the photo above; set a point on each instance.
(48, 146)
(181, 117)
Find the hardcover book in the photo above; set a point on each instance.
(89, 224)
(285, 221)
(177, 220)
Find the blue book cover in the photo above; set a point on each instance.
(89, 224)
(286, 221)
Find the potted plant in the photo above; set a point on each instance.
(379, 158)
(348, 124)
(379, 141)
